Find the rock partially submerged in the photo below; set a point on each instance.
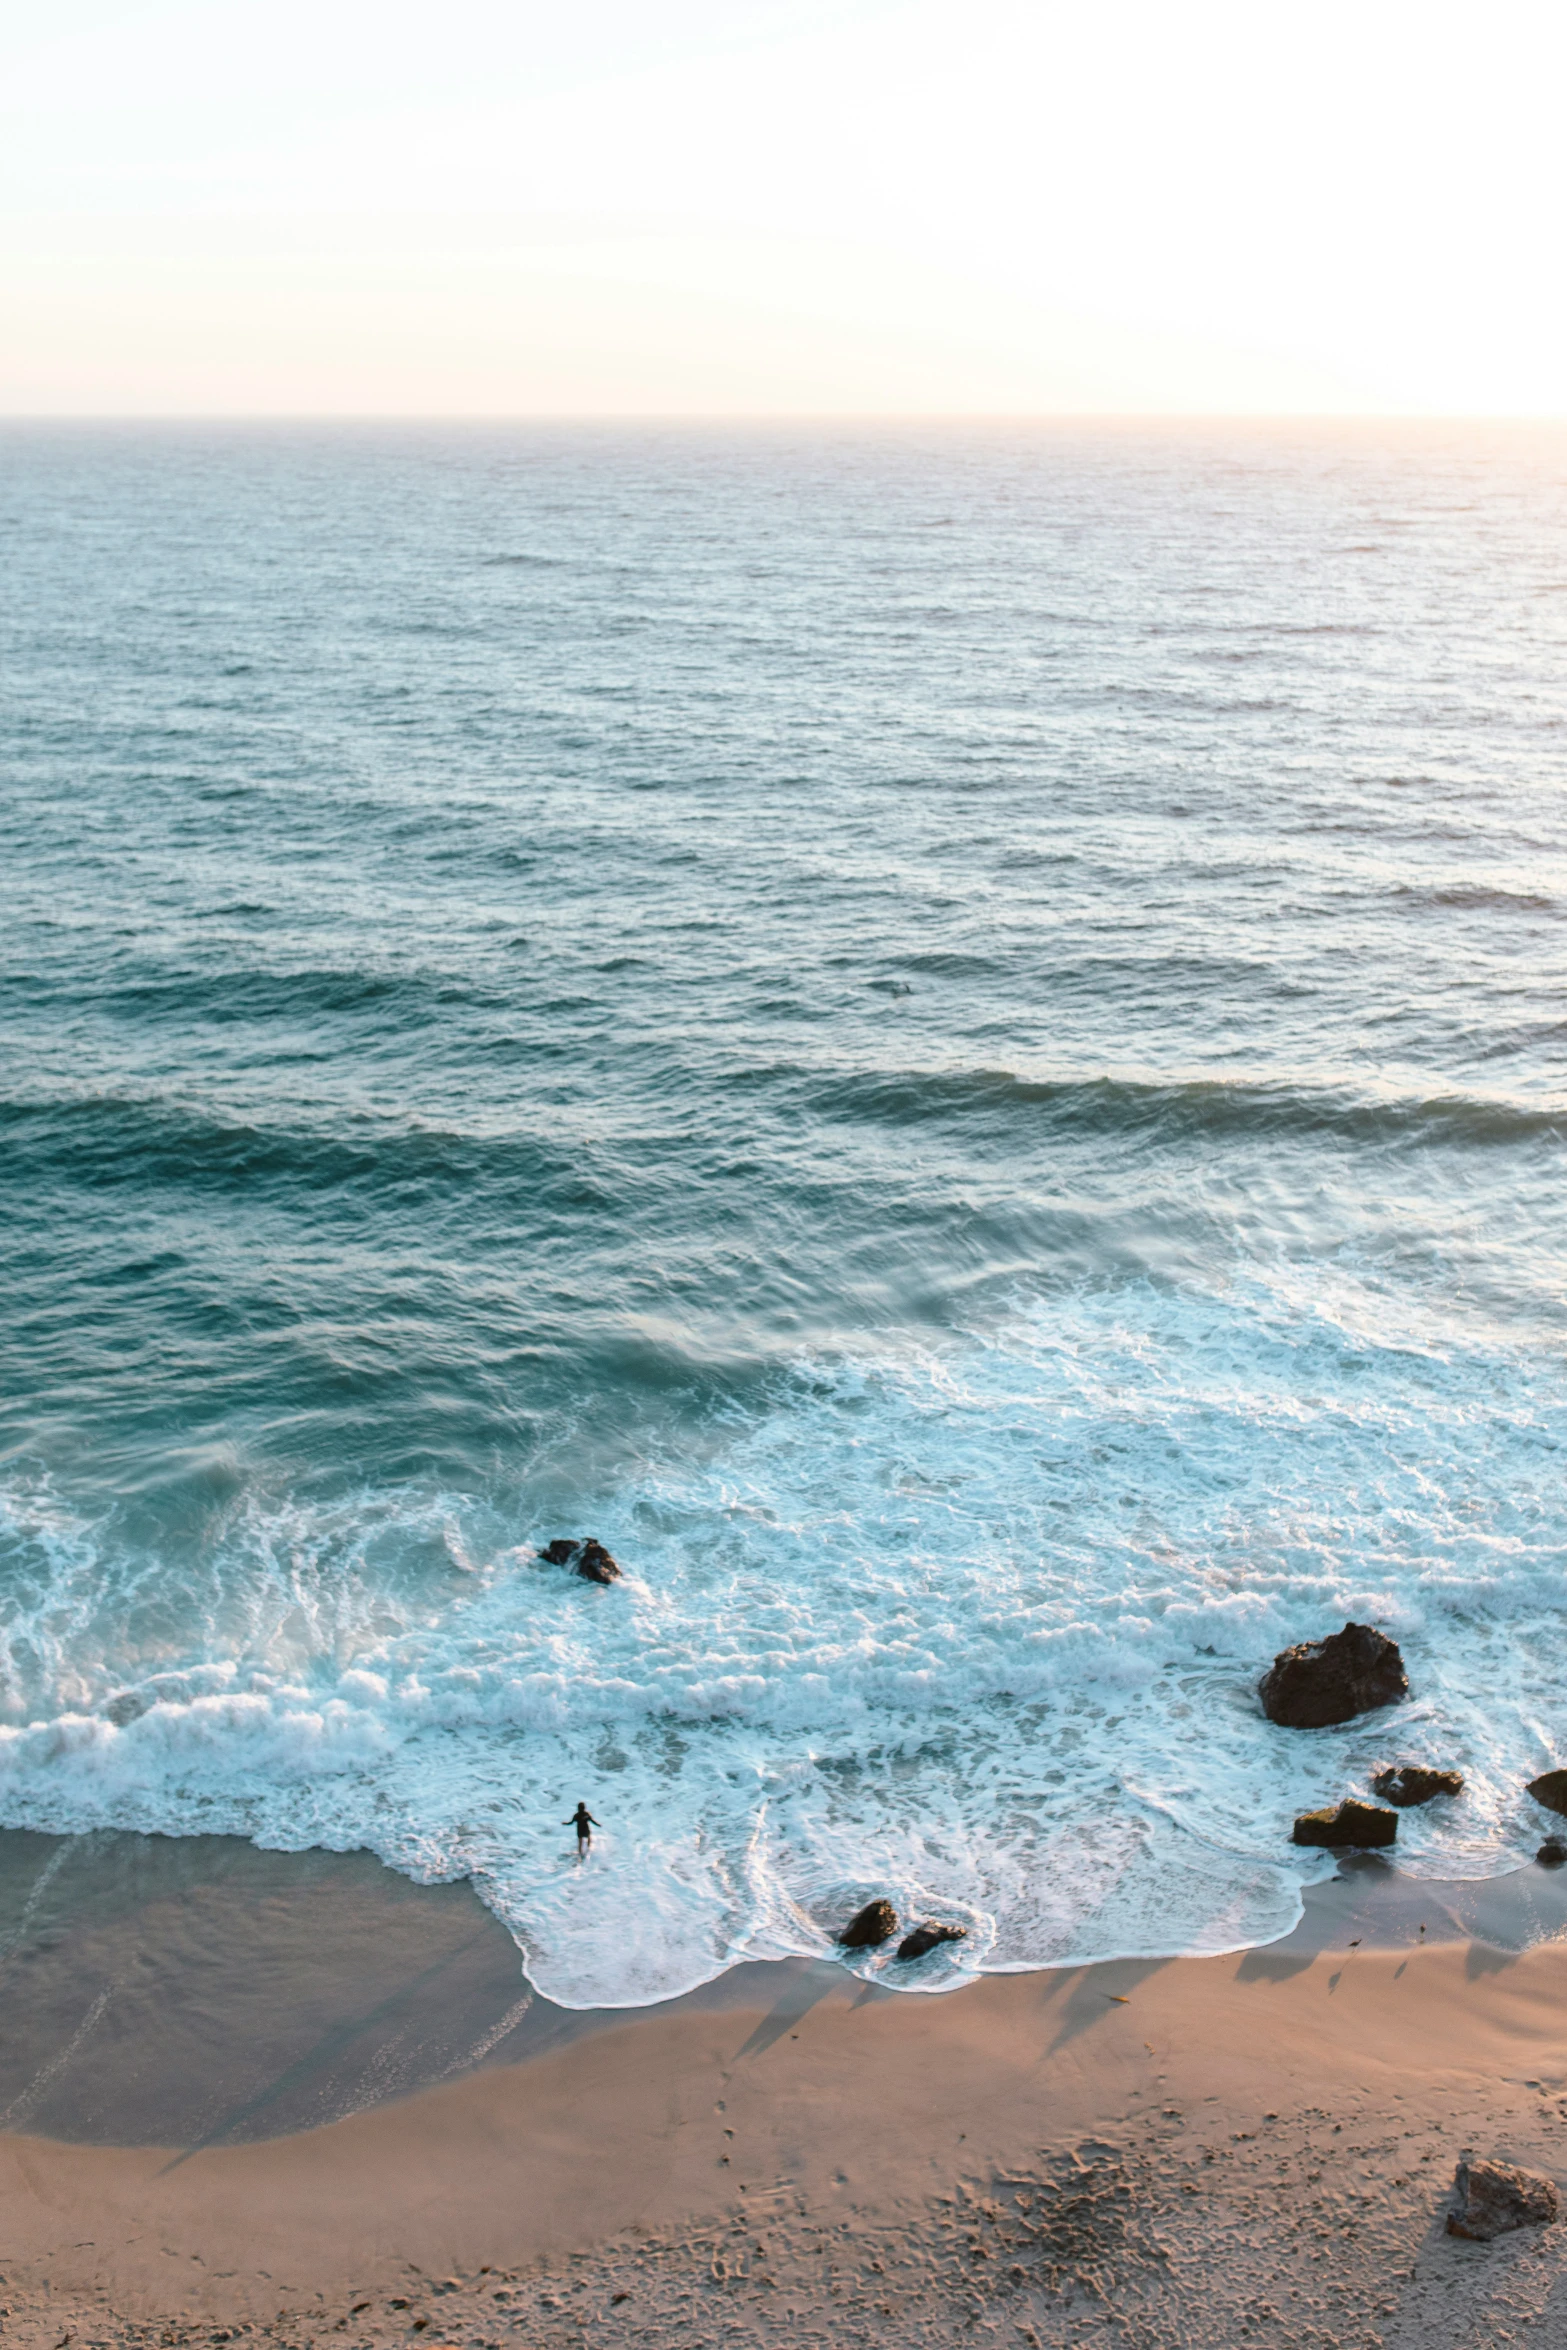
(1319, 1682)
(1408, 1783)
(589, 1559)
(929, 1937)
(1551, 1790)
(1552, 1853)
(1492, 2198)
(1350, 1825)
(870, 1927)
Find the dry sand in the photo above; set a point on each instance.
(1253, 2148)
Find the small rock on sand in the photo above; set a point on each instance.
(1552, 1853)
(876, 1923)
(1350, 1824)
(1492, 2198)
(1408, 1783)
(1319, 1682)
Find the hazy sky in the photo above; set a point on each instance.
(751, 206)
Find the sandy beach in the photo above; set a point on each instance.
(295, 2098)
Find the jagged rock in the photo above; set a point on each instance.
(1552, 1853)
(1408, 1783)
(1352, 1824)
(929, 1937)
(1551, 1790)
(875, 1924)
(1492, 2198)
(590, 1559)
(1322, 1681)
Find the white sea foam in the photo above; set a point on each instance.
(978, 1628)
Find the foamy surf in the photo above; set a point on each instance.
(975, 1628)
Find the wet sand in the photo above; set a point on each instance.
(298, 2097)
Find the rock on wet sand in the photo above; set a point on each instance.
(929, 1937)
(1349, 1826)
(870, 1927)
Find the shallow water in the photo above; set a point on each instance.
(952, 1040)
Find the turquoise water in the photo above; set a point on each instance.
(953, 1040)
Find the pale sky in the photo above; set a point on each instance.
(782, 206)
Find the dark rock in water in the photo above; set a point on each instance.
(590, 1559)
(1358, 1826)
(1552, 1853)
(929, 1937)
(1551, 1790)
(1409, 1783)
(595, 1565)
(1323, 1681)
(1492, 2198)
(876, 1923)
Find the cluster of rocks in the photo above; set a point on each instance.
(877, 1922)
(585, 1557)
(1321, 1682)
(1362, 1827)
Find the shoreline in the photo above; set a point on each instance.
(202, 1991)
(1139, 2150)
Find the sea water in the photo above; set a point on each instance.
(951, 1038)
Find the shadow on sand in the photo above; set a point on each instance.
(800, 1996)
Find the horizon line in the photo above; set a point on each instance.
(784, 416)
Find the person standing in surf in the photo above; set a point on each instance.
(584, 1823)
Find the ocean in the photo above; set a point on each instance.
(950, 1037)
